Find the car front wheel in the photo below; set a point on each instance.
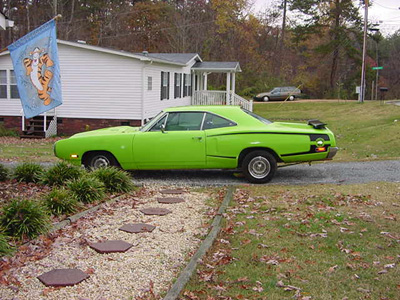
(259, 166)
(266, 98)
(100, 160)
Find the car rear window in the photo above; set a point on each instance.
(259, 118)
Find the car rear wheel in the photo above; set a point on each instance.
(100, 160)
(266, 98)
(291, 98)
(259, 166)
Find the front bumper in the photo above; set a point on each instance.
(332, 152)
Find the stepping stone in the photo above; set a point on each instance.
(137, 228)
(63, 277)
(155, 211)
(110, 246)
(172, 191)
(170, 200)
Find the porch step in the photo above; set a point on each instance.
(35, 127)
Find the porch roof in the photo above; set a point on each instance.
(217, 66)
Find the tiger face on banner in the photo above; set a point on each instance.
(37, 70)
(39, 76)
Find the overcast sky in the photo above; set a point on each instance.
(387, 12)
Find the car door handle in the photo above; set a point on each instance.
(197, 138)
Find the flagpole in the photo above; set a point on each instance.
(56, 18)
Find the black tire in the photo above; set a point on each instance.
(265, 98)
(259, 166)
(100, 160)
(291, 98)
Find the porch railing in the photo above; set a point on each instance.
(209, 98)
(246, 104)
(219, 98)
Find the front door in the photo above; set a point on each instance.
(175, 142)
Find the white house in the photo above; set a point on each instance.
(103, 87)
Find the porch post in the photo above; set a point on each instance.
(205, 81)
(233, 84)
(228, 88)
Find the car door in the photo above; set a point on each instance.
(276, 94)
(174, 142)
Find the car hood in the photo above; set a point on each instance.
(108, 131)
(263, 94)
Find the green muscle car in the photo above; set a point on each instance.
(202, 137)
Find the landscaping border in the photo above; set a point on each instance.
(185, 275)
(69, 220)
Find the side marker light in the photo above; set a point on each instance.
(320, 149)
(74, 155)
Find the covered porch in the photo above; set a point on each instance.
(203, 96)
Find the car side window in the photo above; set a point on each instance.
(157, 126)
(212, 121)
(181, 121)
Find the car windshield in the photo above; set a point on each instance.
(265, 121)
(151, 123)
(275, 90)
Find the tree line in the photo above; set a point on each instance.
(317, 48)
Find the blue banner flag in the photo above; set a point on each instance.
(37, 70)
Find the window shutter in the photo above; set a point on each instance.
(168, 86)
(162, 89)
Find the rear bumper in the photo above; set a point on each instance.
(332, 152)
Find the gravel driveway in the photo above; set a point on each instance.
(328, 172)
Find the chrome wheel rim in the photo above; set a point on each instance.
(259, 167)
(100, 162)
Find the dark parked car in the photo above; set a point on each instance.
(280, 93)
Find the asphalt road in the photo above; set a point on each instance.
(303, 174)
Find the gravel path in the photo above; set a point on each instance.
(328, 172)
(152, 263)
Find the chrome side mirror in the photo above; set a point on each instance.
(162, 128)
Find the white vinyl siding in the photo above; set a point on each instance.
(99, 85)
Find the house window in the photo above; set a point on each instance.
(8, 85)
(187, 88)
(3, 84)
(164, 85)
(149, 83)
(178, 85)
(13, 86)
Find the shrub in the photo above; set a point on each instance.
(61, 201)
(7, 132)
(24, 218)
(28, 172)
(114, 180)
(61, 173)
(87, 189)
(5, 248)
(3, 173)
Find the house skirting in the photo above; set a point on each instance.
(69, 126)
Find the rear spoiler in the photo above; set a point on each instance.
(317, 124)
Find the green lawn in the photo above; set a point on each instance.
(27, 150)
(363, 131)
(320, 241)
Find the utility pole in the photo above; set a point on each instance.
(362, 87)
